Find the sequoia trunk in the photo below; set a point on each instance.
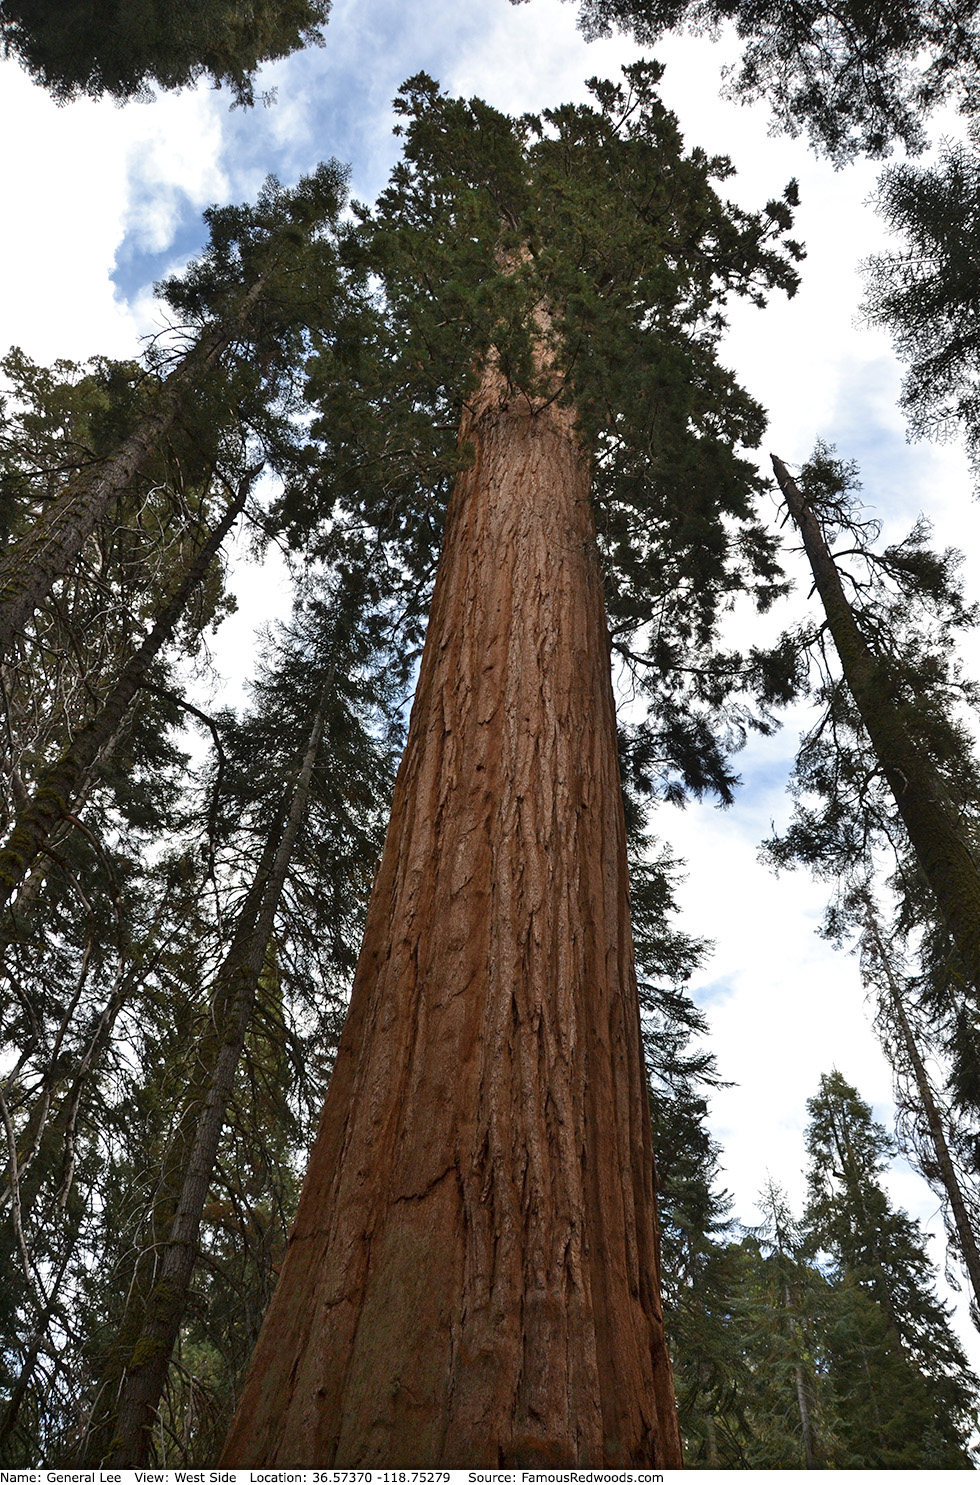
(941, 849)
(473, 1277)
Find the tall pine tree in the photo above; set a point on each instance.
(910, 1399)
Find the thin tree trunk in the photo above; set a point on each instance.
(473, 1276)
(18, 1393)
(46, 552)
(940, 848)
(59, 786)
(809, 1449)
(947, 1171)
(711, 1438)
(810, 1453)
(234, 998)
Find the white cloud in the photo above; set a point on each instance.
(172, 159)
(65, 196)
(81, 178)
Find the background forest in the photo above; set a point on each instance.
(221, 504)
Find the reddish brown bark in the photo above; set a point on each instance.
(473, 1275)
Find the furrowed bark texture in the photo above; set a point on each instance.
(940, 847)
(472, 1279)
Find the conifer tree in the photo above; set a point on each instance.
(699, 1264)
(119, 49)
(76, 978)
(488, 1295)
(781, 1309)
(60, 785)
(927, 1120)
(858, 77)
(246, 303)
(234, 995)
(111, 937)
(925, 291)
(902, 695)
(697, 1276)
(881, 1251)
(328, 661)
(81, 945)
(906, 611)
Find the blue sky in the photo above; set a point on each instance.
(101, 201)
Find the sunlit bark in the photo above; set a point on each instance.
(473, 1277)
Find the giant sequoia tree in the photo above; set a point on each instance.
(473, 1273)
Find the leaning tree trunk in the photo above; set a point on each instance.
(942, 852)
(965, 1235)
(234, 998)
(473, 1276)
(60, 785)
(46, 552)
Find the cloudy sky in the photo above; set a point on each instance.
(100, 201)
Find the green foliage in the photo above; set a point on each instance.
(783, 1303)
(908, 604)
(338, 642)
(118, 931)
(594, 216)
(922, 1373)
(813, 1344)
(284, 241)
(77, 48)
(926, 292)
(856, 76)
(920, 1019)
(829, 1347)
(354, 348)
(58, 419)
(696, 1269)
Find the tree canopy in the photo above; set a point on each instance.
(925, 290)
(122, 48)
(857, 77)
(597, 211)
